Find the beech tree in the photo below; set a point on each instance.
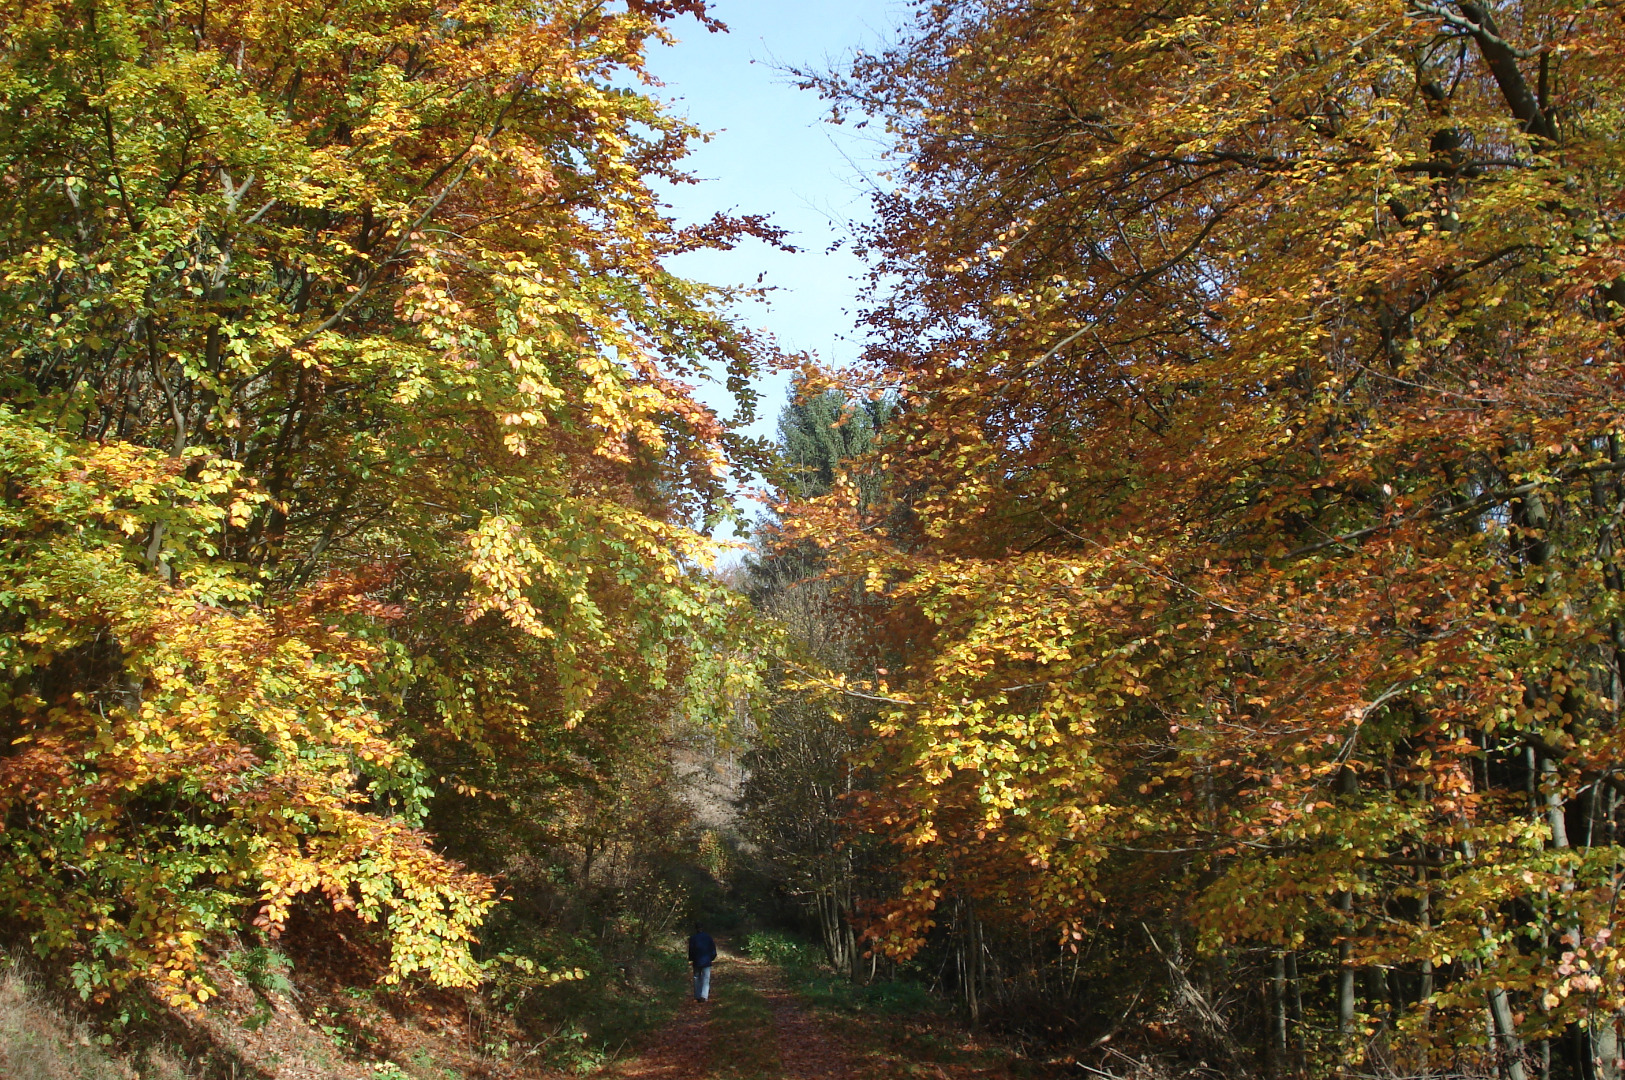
(1252, 544)
(345, 424)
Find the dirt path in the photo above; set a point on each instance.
(752, 1029)
(806, 1052)
(682, 1047)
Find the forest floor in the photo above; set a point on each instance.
(763, 1022)
(757, 1027)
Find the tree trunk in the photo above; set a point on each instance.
(1509, 1048)
(1295, 987)
(1348, 785)
(1605, 1046)
(1278, 1014)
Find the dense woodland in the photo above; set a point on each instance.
(1196, 627)
(353, 495)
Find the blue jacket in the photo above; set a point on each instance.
(702, 951)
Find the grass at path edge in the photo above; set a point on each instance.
(897, 1028)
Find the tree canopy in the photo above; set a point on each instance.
(1252, 513)
(346, 419)
(1213, 562)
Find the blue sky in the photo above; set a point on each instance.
(772, 153)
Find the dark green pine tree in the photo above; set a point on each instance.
(817, 434)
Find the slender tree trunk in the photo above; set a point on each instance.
(1348, 785)
(1424, 985)
(1278, 1014)
(1579, 1036)
(1556, 817)
(1504, 1045)
(1345, 979)
(1295, 987)
(1509, 1048)
(1605, 1046)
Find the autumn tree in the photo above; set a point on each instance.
(1259, 443)
(806, 760)
(346, 426)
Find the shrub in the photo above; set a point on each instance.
(782, 949)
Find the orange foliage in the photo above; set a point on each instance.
(344, 410)
(1255, 495)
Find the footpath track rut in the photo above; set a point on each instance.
(805, 1051)
(681, 1051)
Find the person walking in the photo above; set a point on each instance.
(702, 953)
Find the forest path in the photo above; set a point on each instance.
(753, 1028)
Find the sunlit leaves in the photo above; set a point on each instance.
(1255, 496)
(347, 420)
